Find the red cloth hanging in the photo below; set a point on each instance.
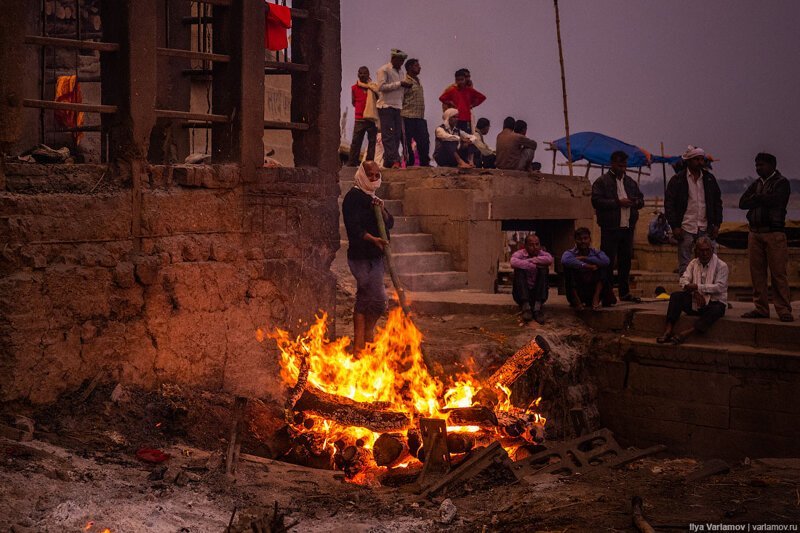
(279, 19)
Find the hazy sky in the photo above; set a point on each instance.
(721, 74)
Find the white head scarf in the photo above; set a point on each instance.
(450, 112)
(363, 182)
(693, 151)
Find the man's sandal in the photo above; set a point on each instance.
(754, 314)
(663, 339)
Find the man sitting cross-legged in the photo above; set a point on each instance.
(531, 265)
(704, 294)
(586, 273)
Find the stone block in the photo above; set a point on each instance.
(186, 211)
(780, 393)
(671, 409)
(124, 275)
(735, 445)
(686, 385)
(146, 269)
(762, 419)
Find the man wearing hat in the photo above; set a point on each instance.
(391, 87)
(693, 205)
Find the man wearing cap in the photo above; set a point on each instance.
(693, 205)
(391, 87)
(766, 200)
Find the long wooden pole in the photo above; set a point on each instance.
(563, 86)
(663, 171)
(387, 251)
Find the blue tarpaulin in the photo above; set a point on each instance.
(597, 148)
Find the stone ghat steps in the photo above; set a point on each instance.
(722, 355)
(419, 265)
(648, 323)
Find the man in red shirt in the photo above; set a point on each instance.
(363, 125)
(463, 97)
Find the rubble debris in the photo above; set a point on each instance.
(447, 511)
(581, 455)
(151, 455)
(638, 516)
(479, 461)
(17, 427)
(372, 416)
(709, 468)
(158, 473)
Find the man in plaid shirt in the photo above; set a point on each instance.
(413, 113)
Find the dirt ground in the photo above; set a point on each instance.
(81, 473)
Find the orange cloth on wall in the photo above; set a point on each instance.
(69, 90)
(279, 19)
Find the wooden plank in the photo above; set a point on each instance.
(221, 3)
(277, 67)
(69, 106)
(71, 43)
(184, 115)
(276, 125)
(192, 54)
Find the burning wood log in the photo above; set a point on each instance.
(390, 450)
(351, 413)
(356, 459)
(309, 449)
(519, 363)
(298, 389)
(460, 442)
(472, 416)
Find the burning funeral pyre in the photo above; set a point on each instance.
(382, 409)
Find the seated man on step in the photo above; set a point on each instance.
(704, 294)
(586, 273)
(531, 265)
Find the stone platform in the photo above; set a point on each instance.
(731, 393)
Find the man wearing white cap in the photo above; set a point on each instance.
(693, 205)
(391, 86)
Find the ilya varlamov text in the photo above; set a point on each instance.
(742, 527)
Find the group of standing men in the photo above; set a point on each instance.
(394, 105)
(693, 208)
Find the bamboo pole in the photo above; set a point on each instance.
(663, 171)
(387, 251)
(563, 86)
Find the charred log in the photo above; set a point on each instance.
(472, 416)
(351, 413)
(309, 449)
(460, 442)
(414, 440)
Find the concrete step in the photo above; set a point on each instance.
(347, 173)
(405, 225)
(412, 242)
(434, 281)
(720, 354)
(402, 225)
(421, 262)
(647, 321)
(394, 207)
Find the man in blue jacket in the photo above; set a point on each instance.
(616, 199)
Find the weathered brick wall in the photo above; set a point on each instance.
(217, 259)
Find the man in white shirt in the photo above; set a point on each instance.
(693, 204)
(391, 87)
(704, 294)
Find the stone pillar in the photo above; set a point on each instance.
(12, 71)
(238, 86)
(315, 94)
(129, 76)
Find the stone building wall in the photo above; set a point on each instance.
(217, 259)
